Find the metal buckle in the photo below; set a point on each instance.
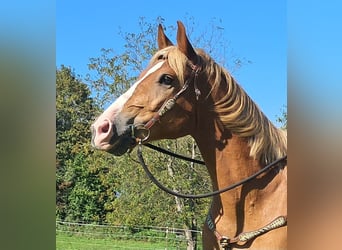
(140, 132)
(224, 242)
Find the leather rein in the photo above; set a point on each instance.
(141, 133)
(198, 196)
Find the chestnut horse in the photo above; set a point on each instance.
(184, 92)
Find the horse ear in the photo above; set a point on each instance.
(184, 45)
(163, 40)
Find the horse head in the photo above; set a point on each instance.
(141, 111)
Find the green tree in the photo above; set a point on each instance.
(90, 188)
(74, 113)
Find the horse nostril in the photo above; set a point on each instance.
(103, 132)
(105, 127)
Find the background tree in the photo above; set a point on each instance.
(74, 112)
(282, 119)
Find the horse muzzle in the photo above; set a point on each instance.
(106, 138)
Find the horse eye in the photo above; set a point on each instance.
(166, 79)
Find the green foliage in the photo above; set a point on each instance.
(74, 112)
(148, 205)
(84, 201)
(283, 118)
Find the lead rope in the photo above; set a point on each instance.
(226, 242)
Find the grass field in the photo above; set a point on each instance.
(74, 242)
(81, 236)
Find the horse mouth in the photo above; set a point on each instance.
(120, 145)
(115, 145)
(107, 138)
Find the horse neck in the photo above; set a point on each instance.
(228, 161)
(226, 155)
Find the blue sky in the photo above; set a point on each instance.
(255, 30)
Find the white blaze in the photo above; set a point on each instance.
(116, 107)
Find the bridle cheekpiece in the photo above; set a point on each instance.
(141, 132)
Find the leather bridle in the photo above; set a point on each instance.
(141, 133)
(170, 103)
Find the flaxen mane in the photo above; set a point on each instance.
(236, 110)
